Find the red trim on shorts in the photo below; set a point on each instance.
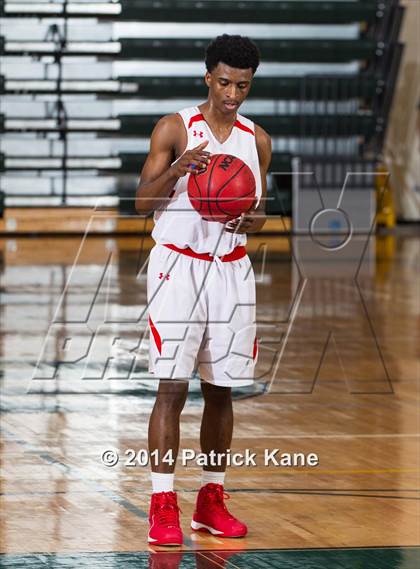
(243, 127)
(255, 349)
(156, 336)
(196, 118)
(238, 253)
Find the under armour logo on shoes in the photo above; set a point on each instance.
(161, 276)
(199, 133)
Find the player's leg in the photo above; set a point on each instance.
(163, 448)
(211, 513)
(164, 426)
(226, 360)
(216, 428)
(177, 324)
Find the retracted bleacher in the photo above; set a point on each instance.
(84, 83)
(209, 11)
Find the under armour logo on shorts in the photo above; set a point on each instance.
(161, 276)
(200, 133)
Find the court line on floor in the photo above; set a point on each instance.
(338, 436)
(303, 436)
(320, 493)
(305, 551)
(358, 471)
(245, 490)
(292, 471)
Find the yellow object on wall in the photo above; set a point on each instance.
(385, 205)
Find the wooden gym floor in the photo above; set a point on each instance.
(338, 375)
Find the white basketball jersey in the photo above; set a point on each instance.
(178, 223)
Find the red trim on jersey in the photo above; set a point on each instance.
(255, 349)
(238, 124)
(234, 255)
(196, 118)
(243, 127)
(156, 336)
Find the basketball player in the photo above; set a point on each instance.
(200, 285)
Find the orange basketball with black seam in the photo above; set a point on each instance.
(223, 191)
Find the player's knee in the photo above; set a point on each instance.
(216, 395)
(171, 396)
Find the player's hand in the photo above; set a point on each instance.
(250, 222)
(192, 161)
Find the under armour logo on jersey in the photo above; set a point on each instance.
(200, 133)
(161, 276)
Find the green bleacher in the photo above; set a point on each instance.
(191, 49)
(249, 11)
(326, 109)
(281, 88)
(340, 88)
(278, 12)
(280, 51)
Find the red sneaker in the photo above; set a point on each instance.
(212, 515)
(164, 520)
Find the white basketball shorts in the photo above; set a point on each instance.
(201, 316)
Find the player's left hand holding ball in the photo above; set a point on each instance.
(250, 222)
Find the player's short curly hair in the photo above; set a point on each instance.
(236, 51)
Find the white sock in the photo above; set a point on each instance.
(208, 477)
(162, 482)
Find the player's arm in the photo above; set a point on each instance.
(255, 218)
(264, 156)
(158, 176)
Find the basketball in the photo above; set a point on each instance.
(223, 191)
